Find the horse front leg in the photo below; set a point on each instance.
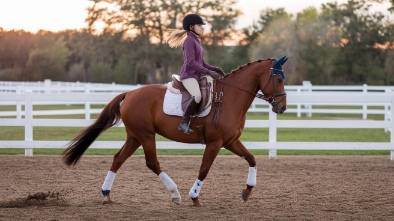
(210, 153)
(130, 146)
(239, 149)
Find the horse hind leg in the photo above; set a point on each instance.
(130, 146)
(239, 149)
(153, 164)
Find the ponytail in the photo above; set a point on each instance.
(176, 38)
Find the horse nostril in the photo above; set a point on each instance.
(284, 108)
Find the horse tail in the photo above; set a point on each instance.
(109, 117)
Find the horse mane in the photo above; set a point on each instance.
(248, 64)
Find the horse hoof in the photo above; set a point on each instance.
(176, 198)
(196, 202)
(245, 195)
(106, 202)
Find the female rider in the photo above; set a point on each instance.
(194, 66)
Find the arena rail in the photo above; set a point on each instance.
(65, 88)
(28, 122)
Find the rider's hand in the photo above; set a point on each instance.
(214, 74)
(219, 70)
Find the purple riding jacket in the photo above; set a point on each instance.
(194, 65)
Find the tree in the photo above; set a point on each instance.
(48, 61)
(145, 22)
(361, 32)
(15, 46)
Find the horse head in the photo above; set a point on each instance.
(273, 87)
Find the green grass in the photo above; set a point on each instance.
(249, 134)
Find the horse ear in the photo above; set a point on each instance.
(284, 60)
(278, 63)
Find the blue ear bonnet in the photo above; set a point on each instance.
(277, 66)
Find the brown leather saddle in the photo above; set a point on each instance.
(205, 83)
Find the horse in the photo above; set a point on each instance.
(141, 111)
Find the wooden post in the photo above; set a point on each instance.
(272, 155)
(392, 128)
(28, 123)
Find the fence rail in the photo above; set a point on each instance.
(328, 98)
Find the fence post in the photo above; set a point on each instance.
(298, 105)
(47, 86)
(87, 104)
(272, 153)
(365, 107)
(308, 87)
(18, 104)
(392, 128)
(28, 123)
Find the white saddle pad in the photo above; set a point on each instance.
(172, 105)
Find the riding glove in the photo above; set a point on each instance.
(219, 70)
(214, 74)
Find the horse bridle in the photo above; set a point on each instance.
(271, 99)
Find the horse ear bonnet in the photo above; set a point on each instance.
(278, 63)
(278, 66)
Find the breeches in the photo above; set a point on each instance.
(193, 88)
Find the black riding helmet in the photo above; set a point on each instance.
(192, 19)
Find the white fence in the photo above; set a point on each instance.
(327, 98)
(65, 88)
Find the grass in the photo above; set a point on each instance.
(249, 134)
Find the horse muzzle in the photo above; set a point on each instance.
(279, 109)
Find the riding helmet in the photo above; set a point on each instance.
(191, 19)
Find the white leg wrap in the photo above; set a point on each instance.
(195, 190)
(109, 180)
(252, 176)
(170, 184)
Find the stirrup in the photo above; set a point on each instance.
(186, 130)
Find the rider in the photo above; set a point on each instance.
(194, 66)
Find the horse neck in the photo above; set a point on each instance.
(244, 79)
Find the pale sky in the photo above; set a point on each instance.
(57, 15)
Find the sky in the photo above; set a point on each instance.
(58, 15)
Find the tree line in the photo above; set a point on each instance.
(124, 42)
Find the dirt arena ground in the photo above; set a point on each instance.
(290, 188)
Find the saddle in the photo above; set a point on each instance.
(205, 83)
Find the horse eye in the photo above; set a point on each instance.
(278, 80)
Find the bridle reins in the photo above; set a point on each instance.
(271, 99)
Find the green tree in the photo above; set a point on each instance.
(48, 61)
(145, 23)
(362, 31)
(15, 46)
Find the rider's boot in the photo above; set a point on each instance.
(185, 122)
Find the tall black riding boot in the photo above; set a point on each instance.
(190, 109)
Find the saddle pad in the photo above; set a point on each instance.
(172, 105)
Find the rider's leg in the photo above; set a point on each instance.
(193, 88)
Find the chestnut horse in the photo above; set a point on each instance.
(141, 111)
